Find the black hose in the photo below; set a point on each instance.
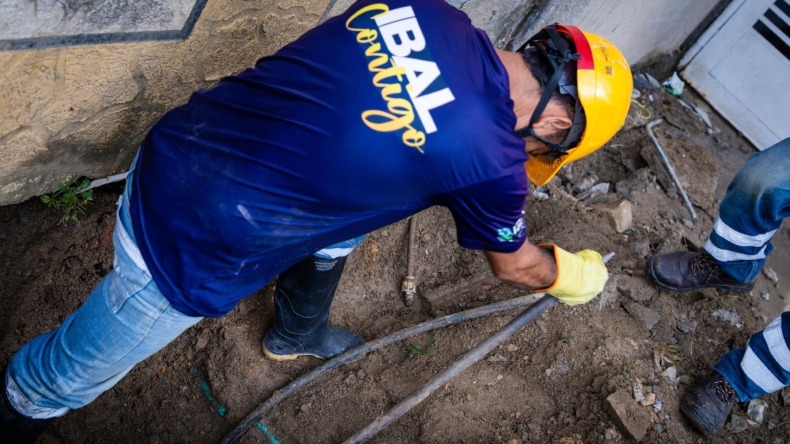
(362, 350)
(453, 370)
(457, 367)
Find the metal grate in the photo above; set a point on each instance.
(774, 27)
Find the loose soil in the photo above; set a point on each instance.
(547, 383)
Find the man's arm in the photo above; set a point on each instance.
(574, 278)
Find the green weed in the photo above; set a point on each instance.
(71, 198)
(670, 354)
(414, 350)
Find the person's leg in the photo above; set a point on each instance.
(303, 297)
(756, 202)
(124, 320)
(764, 366)
(741, 375)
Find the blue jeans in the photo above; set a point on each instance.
(125, 320)
(757, 201)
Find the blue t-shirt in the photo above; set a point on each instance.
(377, 114)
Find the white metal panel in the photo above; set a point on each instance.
(743, 69)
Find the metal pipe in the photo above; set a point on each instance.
(669, 168)
(459, 366)
(409, 287)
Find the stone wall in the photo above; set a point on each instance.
(81, 81)
(78, 103)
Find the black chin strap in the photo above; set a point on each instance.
(557, 51)
(548, 91)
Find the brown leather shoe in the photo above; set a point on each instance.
(687, 271)
(708, 405)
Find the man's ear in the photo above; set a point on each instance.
(553, 119)
(553, 123)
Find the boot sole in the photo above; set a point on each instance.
(280, 358)
(720, 287)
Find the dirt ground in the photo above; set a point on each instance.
(547, 383)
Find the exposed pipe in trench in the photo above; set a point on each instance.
(455, 369)
(362, 350)
(458, 366)
(409, 285)
(544, 302)
(669, 168)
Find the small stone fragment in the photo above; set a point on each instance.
(756, 410)
(631, 419)
(771, 274)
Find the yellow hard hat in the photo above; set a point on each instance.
(602, 91)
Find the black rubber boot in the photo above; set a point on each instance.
(708, 404)
(687, 271)
(302, 299)
(15, 428)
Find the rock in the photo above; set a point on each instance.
(786, 397)
(648, 316)
(641, 248)
(610, 292)
(601, 188)
(639, 395)
(631, 419)
(687, 327)
(771, 275)
(635, 288)
(497, 358)
(511, 347)
(540, 195)
(612, 435)
(585, 184)
(737, 424)
(765, 295)
(756, 410)
(728, 316)
(201, 343)
(620, 215)
(670, 373)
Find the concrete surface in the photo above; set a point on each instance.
(642, 29)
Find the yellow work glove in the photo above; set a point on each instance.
(580, 276)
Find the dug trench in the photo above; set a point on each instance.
(609, 371)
